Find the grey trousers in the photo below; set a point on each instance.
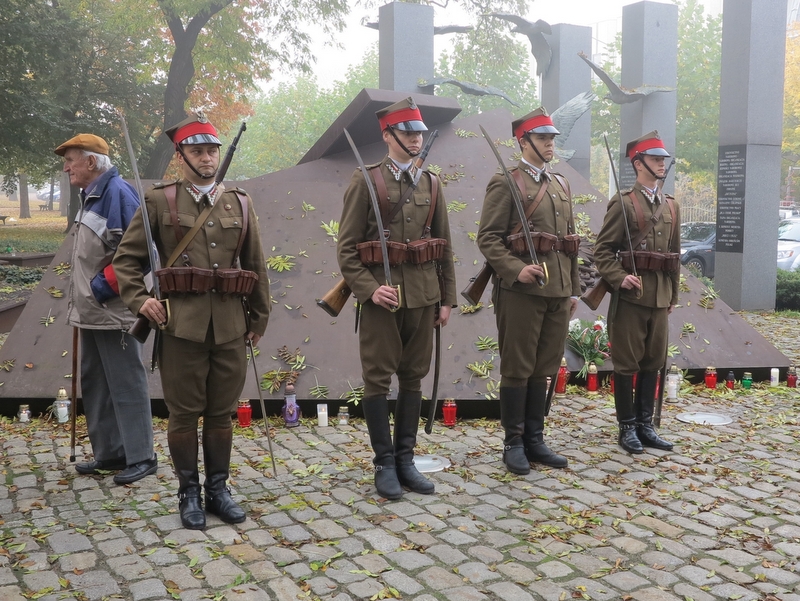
(116, 399)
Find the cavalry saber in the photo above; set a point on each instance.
(263, 407)
(376, 208)
(436, 369)
(515, 194)
(624, 215)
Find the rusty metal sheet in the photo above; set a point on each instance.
(329, 346)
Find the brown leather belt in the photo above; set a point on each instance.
(198, 280)
(646, 260)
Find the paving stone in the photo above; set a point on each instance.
(485, 554)
(476, 572)
(439, 579)
(11, 593)
(147, 589)
(95, 585)
(554, 569)
(446, 554)
(284, 589)
(68, 542)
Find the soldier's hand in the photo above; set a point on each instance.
(253, 338)
(669, 309)
(573, 306)
(630, 282)
(385, 296)
(154, 311)
(529, 274)
(443, 315)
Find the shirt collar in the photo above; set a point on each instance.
(398, 169)
(535, 172)
(198, 195)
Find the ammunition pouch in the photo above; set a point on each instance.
(425, 250)
(371, 253)
(197, 280)
(544, 243)
(646, 260)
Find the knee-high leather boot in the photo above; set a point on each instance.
(535, 448)
(645, 405)
(512, 418)
(623, 399)
(183, 449)
(217, 446)
(406, 424)
(376, 412)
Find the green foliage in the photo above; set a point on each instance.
(455, 206)
(787, 291)
(699, 58)
(280, 263)
(13, 275)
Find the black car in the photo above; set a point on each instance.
(698, 245)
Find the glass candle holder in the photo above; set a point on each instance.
(449, 413)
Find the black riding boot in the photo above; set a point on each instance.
(217, 446)
(645, 403)
(183, 449)
(623, 399)
(406, 423)
(376, 412)
(512, 418)
(533, 436)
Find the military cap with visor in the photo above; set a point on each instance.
(196, 129)
(649, 144)
(403, 116)
(87, 142)
(536, 122)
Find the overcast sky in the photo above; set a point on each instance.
(605, 16)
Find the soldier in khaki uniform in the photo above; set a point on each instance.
(640, 305)
(396, 334)
(203, 355)
(532, 322)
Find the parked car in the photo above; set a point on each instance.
(698, 246)
(789, 244)
(45, 194)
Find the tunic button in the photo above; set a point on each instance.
(213, 290)
(408, 240)
(215, 265)
(408, 200)
(213, 245)
(659, 233)
(235, 223)
(427, 201)
(557, 213)
(408, 219)
(659, 250)
(210, 224)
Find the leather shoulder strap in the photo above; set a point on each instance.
(189, 235)
(644, 229)
(383, 195)
(536, 201)
(434, 196)
(245, 220)
(170, 192)
(564, 182)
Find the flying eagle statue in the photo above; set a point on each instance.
(468, 88)
(618, 94)
(535, 31)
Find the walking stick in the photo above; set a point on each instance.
(263, 408)
(74, 417)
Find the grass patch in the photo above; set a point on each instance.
(42, 233)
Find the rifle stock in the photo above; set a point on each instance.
(594, 296)
(140, 329)
(333, 301)
(477, 284)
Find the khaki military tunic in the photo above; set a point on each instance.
(532, 322)
(639, 329)
(212, 324)
(399, 342)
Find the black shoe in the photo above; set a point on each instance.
(137, 471)
(649, 437)
(515, 459)
(107, 465)
(192, 515)
(628, 439)
(409, 476)
(541, 453)
(222, 505)
(386, 482)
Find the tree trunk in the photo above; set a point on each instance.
(63, 201)
(179, 80)
(24, 200)
(52, 191)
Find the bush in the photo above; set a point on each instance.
(787, 290)
(13, 275)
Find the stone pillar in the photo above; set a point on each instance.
(649, 56)
(405, 46)
(750, 133)
(567, 77)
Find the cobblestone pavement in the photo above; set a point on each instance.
(719, 518)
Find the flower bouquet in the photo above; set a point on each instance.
(589, 340)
